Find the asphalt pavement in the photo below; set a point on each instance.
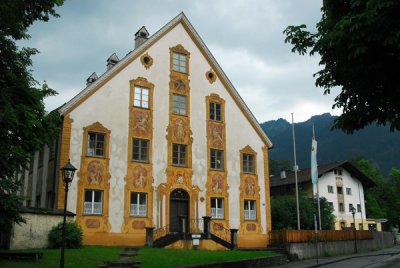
(388, 257)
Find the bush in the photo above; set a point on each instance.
(73, 235)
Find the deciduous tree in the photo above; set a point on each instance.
(24, 124)
(359, 45)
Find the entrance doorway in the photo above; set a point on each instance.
(178, 210)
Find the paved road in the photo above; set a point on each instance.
(385, 258)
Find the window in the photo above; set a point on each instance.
(358, 208)
(179, 104)
(330, 189)
(93, 202)
(215, 111)
(341, 207)
(248, 163)
(217, 208)
(340, 190)
(351, 207)
(250, 210)
(360, 226)
(140, 150)
(141, 97)
(139, 204)
(179, 154)
(348, 191)
(179, 62)
(337, 172)
(216, 159)
(96, 143)
(372, 227)
(331, 205)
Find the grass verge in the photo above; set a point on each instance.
(164, 258)
(85, 257)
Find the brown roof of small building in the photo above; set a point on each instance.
(305, 174)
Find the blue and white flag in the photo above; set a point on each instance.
(314, 168)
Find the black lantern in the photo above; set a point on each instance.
(68, 172)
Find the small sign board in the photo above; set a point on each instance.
(196, 235)
(196, 242)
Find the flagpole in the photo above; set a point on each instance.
(319, 206)
(295, 176)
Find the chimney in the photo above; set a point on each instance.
(283, 174)
(93, 77)
(141, 36)
(111, 61)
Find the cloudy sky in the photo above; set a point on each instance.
(245, 37)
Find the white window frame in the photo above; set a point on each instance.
(248, 163)
(179, 104)
(249, 213)
(91, 207)
(217, 208)
(216, 159)
(143, 145)
(137, 209)
(92, 147)
(348, 191)
(330, 189)
(216, 111)
(179, 62)
(141, 97)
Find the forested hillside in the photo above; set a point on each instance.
(375, 143)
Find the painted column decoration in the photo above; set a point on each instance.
(138, 211)
(179, 171)
(217, 185)
(92, 210)
(249, 193)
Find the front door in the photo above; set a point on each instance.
(178, 209)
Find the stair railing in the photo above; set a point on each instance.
(160, 232)
(220, 231)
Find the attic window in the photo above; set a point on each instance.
(211, 77)
(146, 60)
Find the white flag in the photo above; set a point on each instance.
(314, 168)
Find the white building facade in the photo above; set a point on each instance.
(161, 135)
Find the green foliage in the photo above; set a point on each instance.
(383, 201)
(24, 124)
(84, 257)
(382, 145)
(276, 166)
(359, 44)
(284, 214)
(73, 235)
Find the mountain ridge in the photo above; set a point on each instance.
(376, 143)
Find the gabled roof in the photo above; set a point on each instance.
(305, 174)
(181, 18)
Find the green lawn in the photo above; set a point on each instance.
(156, 257)
(85, 257)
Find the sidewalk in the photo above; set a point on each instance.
(328, 260)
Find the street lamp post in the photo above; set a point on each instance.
(353, 211)
(68, 172)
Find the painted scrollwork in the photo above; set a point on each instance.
(141, 122)
(139, 177)
(217, 184)
(179, 130)
(95, 172)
